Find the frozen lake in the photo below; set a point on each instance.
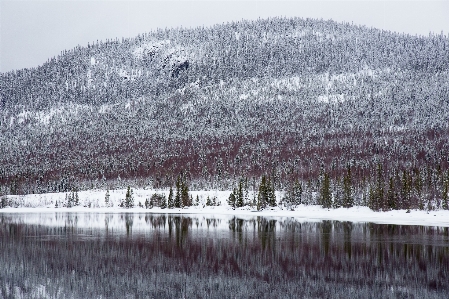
(130, 255)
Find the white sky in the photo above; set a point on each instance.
(33, 31)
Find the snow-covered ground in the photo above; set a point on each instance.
(45, 203)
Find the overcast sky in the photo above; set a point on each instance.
(33, 31)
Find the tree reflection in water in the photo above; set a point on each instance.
(196, 257)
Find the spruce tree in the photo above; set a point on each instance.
(67, 201)
(262, 196)
(76, 199)
(445, 195)
(246, 199)
(271, 196)
(391, 200)
(372, 198)
(239, 197)
(185, 198)
(232, 199)
(297, 193)
(178, 201)
(418, 183)
(163, 202)
(129, 199)
(170, 203)
(107, 198)
(326, 196)
(208, 202)
(405, 191)
(348, 199)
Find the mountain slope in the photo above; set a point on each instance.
(291, 98)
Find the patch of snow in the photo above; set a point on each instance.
(243, 96)
(40, 205)
(150, 48)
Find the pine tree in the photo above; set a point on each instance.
(391, 200)
(239, 196)
(185, 198)
(170, 203)
(297, 193)
(445, 195)
(271, 196)
(376, 195)
(246, 199)
(326, 196)
(405, 191)
(67, 201)
(163, 202)
(348, 199)
(208, 202)
(129, 199)
(197, 202)
(337, 194)
(372, 204)
(262, 196)
(3, 202)
(178, 201)
(76, 199)
(232, 199)
(107, 198)
(147, 203)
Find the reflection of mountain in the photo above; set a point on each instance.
(282, 95)
(260, 257)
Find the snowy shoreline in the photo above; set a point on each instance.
(45, 203)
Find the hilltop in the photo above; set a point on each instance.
(293, 99)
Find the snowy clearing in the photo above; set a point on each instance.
(45, 203)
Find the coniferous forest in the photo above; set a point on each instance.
(330, 113)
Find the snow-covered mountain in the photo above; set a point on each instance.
(290, 98)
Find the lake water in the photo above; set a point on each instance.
(89, 255)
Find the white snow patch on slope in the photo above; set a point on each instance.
(150, 48)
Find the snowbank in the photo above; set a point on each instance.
(45, 203)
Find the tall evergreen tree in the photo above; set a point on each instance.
(170, 203)
(271, 196)
(391, 200)
(128, 202)
(163, 202)
(107, 198)
(348, 199)
(376, 192)
(232, 199)
(405, 190)
(185, 198)
(148, 203)
(239, 195)
(418, 184)
(262, 196)
(178, 201)
(208, 202)
(326, 196)
(445, 195)
(76, 199)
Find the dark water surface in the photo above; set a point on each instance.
(86, 255)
